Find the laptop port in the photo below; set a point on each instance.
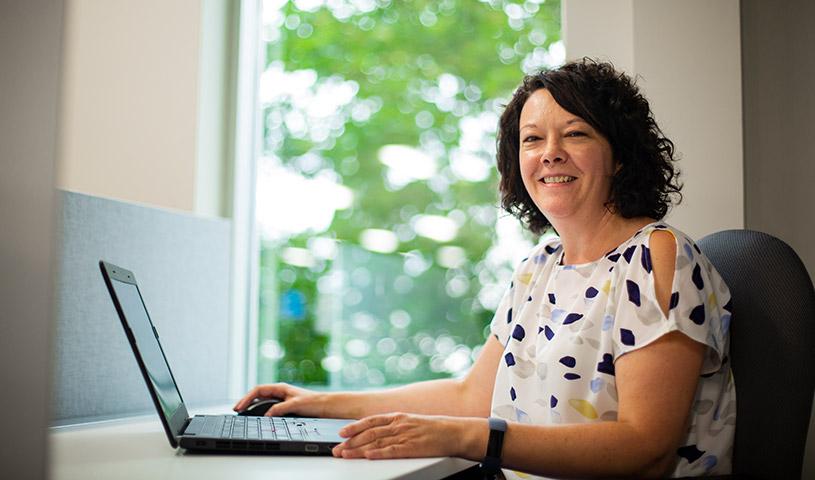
(222, 445)
(310, 447)
(200, 443)
(255, 446)
(273, 446)
(241, 445)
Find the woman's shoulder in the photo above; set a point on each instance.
(686, 253)
(662, 231)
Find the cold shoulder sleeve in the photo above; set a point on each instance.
(699, 303)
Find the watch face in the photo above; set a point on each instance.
(498, 424)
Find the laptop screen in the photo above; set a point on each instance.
(158, 371)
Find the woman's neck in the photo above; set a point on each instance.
(588, 240)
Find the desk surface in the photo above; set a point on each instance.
(138, 448)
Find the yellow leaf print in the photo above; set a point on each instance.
(583, 407)
(606, 287)
(521, 474)
(525, 278)
(711, 300)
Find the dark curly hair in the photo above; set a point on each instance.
(645, 181)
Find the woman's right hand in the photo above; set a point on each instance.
(293, 400)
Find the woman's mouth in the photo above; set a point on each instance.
(558, 179)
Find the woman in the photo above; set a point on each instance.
(608, 353)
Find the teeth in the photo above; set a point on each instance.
(561, 179)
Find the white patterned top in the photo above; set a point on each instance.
(564, 327)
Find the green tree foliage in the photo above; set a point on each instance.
(425, 74)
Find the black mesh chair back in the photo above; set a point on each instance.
(772, 349)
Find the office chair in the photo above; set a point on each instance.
(772, 350)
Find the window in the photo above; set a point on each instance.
(383, 251)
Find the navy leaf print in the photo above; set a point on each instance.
(552, 401)
(591, 292)
(510, 359)
(550, 249)
(627, 337)
(552, 298)
(674, 301)
(698, 314)
(512, 393)
(697, 277)
(646, 259)
(629, 252)
(568, 361)
(509, 315)
(690, 453)
(633, 292)
(571, 376)
(614, 257)
(518, 333)
(549, 333)
(572, 317)
(606, 365)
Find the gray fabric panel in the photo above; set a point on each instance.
(181, 263)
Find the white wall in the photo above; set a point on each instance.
(144, 102)
(687, 55)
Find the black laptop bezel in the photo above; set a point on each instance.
(173, 426)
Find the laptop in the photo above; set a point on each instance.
(210, 433)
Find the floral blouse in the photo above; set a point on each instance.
(564, 327)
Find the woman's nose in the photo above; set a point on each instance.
(552, 153)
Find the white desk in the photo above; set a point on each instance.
(138, 449)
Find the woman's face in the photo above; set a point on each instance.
(566, 165)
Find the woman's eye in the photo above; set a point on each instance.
(530, 138)
(576, 133)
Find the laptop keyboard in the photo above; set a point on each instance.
(246, 428)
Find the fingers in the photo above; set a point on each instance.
(390, 451)
(374, 432)
(355, 428)
(368, 436)
(396, 435)
(276, 390)
(374, 440)
(282, 408)
(246, 399)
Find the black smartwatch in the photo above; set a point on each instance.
(492, 461)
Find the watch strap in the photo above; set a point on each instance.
(495, 444)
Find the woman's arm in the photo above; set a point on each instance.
(466, 397)
(656, 386)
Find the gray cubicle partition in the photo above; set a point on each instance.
(182, 265)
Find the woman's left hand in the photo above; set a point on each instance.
(401, 435)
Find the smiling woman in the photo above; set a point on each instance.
(608, 353)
